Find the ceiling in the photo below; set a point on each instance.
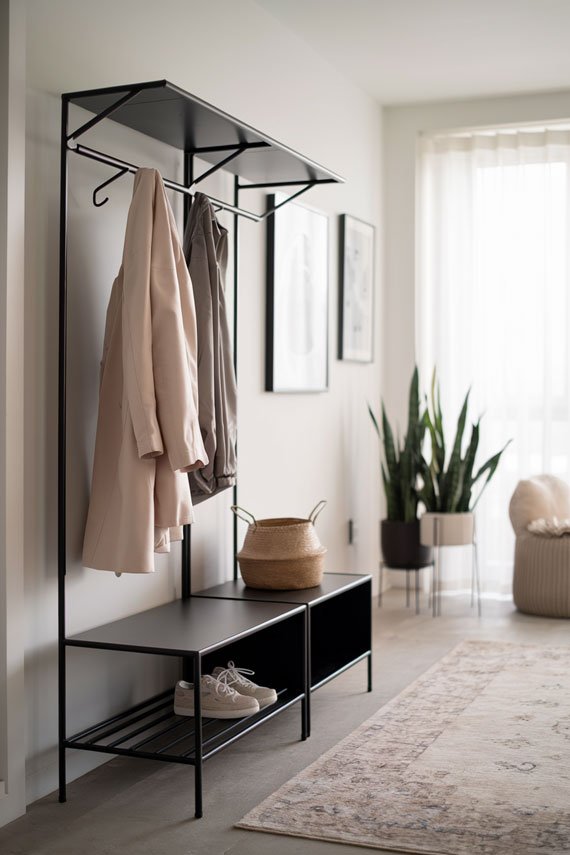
(403, 51)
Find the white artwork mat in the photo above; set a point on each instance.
(300, 309)
(358, 291)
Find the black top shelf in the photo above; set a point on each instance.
(164, 111)
(184, 626)
(332, 584)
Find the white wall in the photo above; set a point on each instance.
(293, 450)
(401, 127)
(12, 188)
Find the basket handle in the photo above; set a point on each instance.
(316, 510)
(252, 521)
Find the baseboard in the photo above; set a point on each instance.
(41, 780)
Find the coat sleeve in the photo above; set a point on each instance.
(157, 363)
(137, 318)
(174, 342)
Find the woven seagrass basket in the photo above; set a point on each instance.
(283, 553)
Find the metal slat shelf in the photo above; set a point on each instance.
(139, 732)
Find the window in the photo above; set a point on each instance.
(493, 304)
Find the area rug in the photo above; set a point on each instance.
(472, 759)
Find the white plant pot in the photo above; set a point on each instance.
(438, 529)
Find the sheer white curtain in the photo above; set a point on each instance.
(493, 305)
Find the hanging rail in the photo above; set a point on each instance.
(101, 157)
(124, 167)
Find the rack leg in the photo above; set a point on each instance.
(198, 730)
(417, 591)
(407, 589)
(62, 775)
(369, 663)
(62, 723)
(477, 578)
(438, 583)
(435, 582)
(304, 719)
(306, 702)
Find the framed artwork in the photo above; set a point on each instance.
(356, 290)
(296, 357)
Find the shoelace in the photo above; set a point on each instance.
(219, 688)
(231, 674)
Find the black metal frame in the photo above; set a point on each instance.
(161, 734)
(192, 659)
(345, 587)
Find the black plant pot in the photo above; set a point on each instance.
(401, 547)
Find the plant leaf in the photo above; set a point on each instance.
(465, 498)
(451, 480)
(391, 503)
(389, 448)
(490, 467)
(374, 421)
(427, 493)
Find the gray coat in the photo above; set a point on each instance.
(206, 252)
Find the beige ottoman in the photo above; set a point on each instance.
(541, 579)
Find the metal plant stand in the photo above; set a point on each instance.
(408, 570)
(435, 591)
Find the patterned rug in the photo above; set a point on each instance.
(472, 759)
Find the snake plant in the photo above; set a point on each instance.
(450, 489)
(402, 462)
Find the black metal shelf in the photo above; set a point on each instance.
(202, 634)
(341, 597)
(184, 627)
(161, 110)
(152, 730)
(332, 585)
(192, 628)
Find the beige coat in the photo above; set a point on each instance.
(148, 434)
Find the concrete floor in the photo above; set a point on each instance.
(139, 807)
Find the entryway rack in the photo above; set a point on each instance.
(196, 629)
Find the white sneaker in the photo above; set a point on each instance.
(218, 700)
(235, 677)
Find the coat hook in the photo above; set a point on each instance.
(97, 204)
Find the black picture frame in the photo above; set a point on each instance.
(356, 264)
(297, 300)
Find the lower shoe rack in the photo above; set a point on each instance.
(201, 633)
(151, 730)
